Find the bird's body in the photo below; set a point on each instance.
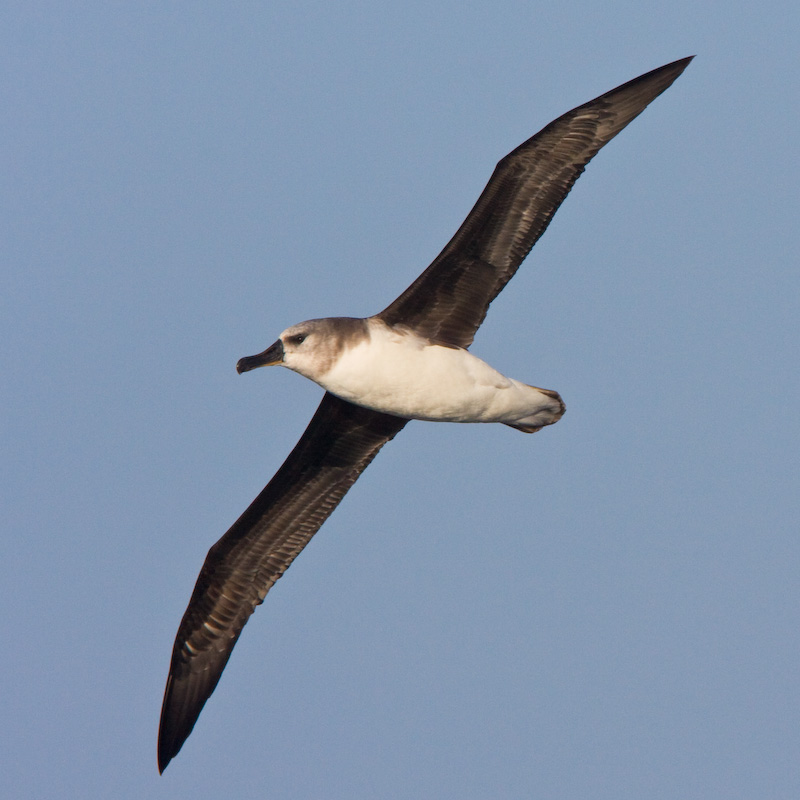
(410, 361)
(394, 370)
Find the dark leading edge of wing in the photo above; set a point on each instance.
(446, 303)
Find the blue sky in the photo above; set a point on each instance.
(608, 609)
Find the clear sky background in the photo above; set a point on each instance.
(608, 609)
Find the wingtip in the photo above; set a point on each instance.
(679, 65)
(674, 69)
(165, 755)
(167, 740)
(642, 90)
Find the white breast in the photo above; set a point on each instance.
(400, 373)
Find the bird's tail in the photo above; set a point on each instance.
(547, 414)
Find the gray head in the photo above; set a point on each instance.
(310, 348)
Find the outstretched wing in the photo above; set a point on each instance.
(337, 446)
(448, 302)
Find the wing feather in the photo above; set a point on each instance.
(448, 302)
(337, 446)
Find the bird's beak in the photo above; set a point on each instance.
(272, 355)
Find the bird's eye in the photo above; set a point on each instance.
(298, 339)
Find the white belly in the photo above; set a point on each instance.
(405, 376)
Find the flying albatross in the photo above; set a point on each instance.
(410, 361)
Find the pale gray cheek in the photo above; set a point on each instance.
(327, 358)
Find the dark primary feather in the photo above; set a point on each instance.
(338, 444)
(448, 302)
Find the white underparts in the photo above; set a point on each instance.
(399, 373)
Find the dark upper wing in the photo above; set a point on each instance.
(448, 302)
(338, 444)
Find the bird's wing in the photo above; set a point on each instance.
(448, 302)
(338, 444)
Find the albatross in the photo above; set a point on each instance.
(410, 361)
